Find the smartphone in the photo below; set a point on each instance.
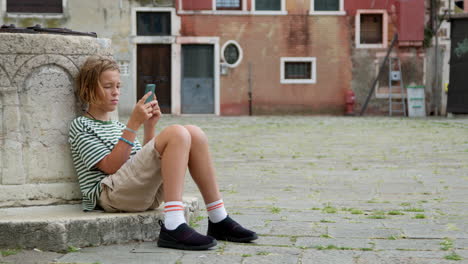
(150, 88)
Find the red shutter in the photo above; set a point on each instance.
(411, 20)
(197, 4)
(34, 6)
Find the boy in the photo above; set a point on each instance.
(116, 173)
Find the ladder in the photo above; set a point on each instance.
(396, 88)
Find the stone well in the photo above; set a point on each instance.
(37, 103)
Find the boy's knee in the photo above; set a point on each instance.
(196, 133)
(180, 134)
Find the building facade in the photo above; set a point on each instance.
(374, 25)
(242, 57)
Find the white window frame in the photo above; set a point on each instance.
(241, 53)
(214, 11)
(384, 43)
(228, 12)
(340, 12)
(262, 12)
(33, 15)
(312, 60)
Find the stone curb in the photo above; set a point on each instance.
(56, 228)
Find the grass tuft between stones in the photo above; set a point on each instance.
(453, 256)
(10, 252)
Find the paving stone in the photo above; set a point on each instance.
(118, 254)
(235, 248)
(272, 258)
(409, 244)
(362, 231)
(30, 257)
(274, 240)
(296, 228)
(209, 259)
(329, 256)
(371, 164)
(313, 242)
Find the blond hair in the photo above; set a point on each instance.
(89, 88)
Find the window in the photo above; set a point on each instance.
(154, 23)
(232, 53)
(371, 29)
(269, 7)
(327, 7)
(228, 5)
(34, 6)
(298, 70)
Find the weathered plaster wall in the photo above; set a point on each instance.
(108, 18)
(37, 104)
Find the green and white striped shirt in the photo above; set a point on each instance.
(91, 140)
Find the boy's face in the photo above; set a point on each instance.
(110, 82)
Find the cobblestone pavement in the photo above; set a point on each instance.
(327, 190)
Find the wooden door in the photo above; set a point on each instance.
(154, 66)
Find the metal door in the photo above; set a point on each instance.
(457, 101)
(197, 79)
(154, 66)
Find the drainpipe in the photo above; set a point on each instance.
(250, 88)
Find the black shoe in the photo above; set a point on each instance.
(184, 237)
(230, 230)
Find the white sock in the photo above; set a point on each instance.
(216, 211)
(173, 214)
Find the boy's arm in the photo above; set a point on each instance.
(149, 133)
(111, 163)
(150, 124)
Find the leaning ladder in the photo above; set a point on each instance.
(396, 101)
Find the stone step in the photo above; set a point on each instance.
(58, 227)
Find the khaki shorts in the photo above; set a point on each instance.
(137, 186)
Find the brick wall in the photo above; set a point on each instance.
(264, 40)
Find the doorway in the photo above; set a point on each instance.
(197, 91)
(154, 66)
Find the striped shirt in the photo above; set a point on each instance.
(91, 140)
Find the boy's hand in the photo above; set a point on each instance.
(156, 113)
(141, 112)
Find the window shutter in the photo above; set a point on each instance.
(327, 5)
(34, 6)
(268, 5)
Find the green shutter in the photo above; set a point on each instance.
(327, 5)
(268, 5)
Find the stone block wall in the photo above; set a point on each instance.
(37, 104)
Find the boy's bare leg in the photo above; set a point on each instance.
(201, 165)
(220, 225)
(173, 144)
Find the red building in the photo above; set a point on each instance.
(373, 26)
(279, 57)
(235, 57)
(299, 56)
